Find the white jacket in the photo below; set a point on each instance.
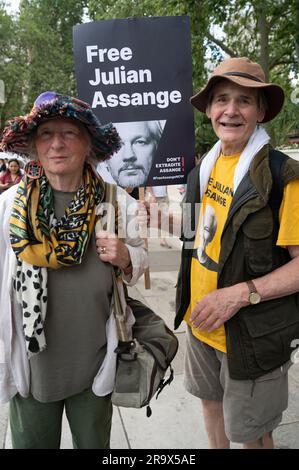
(14, 364)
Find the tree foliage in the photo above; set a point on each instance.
(36, 45)
(39, 51)
(46, 32)
(267, 32)
(10, 66)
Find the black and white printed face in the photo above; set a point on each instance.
(130, 166)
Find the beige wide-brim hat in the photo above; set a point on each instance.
(244, 72)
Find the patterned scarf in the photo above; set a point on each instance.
(40, 241)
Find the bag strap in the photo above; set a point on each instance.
(277, 161)
(119, 310)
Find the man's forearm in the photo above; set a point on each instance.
(279, 283)
(220, 305)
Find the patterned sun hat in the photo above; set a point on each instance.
(17, 135)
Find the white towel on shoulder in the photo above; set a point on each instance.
(258, 139)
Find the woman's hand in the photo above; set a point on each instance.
(112, 250)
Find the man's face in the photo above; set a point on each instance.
(130, 166)
(234, 113)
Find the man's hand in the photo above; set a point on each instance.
(218, 307)
(112, 250)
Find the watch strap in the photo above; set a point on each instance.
(251, 286)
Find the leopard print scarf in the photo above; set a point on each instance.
(40, 241)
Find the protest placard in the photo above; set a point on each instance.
(137, 73)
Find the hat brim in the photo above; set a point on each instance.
(17, 136)
(274, 94)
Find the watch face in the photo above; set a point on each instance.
(254, 298)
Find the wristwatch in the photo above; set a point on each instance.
(254, 297)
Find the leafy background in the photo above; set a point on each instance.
(36, 47)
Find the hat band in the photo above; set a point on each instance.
(244, 75)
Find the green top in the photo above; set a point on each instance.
(77, 311)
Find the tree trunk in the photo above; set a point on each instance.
(263, 30)
(297, 32)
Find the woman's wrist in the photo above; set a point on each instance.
(128, 269)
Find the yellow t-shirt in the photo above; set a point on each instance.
(214, 210)
(289, 215)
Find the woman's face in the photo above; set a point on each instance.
(62, 147)
(13, 167)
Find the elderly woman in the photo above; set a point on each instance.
(56, 276)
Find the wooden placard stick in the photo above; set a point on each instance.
(147, 279)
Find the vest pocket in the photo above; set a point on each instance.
(258, 233)
(271, 327)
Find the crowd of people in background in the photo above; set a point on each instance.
(11, 170)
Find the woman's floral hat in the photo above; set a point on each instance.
(17, 135)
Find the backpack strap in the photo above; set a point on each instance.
(193, 187)
(190, 215)
(277, 161)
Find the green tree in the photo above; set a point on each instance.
(36, 51)
(46, 42)
(267, 32)
(10, 65)
(264, 30)
(36, 47)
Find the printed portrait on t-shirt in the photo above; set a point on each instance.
(208, 227)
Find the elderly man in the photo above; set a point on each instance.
(243, 316)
